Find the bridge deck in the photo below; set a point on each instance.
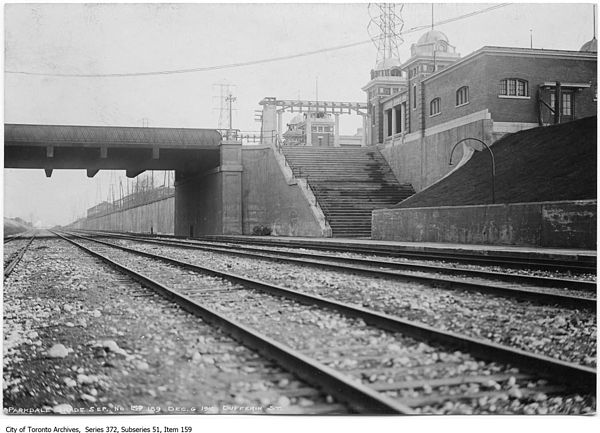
(109, 147)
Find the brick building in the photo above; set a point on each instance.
(419, 109)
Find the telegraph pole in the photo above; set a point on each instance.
(230, 99)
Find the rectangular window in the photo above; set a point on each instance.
(566, 108)
(503, 87)
(414, 97)
(514, 87)
(567, 104)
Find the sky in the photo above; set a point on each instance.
(112, 38)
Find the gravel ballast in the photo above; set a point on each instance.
(308, 328)
(81, 338)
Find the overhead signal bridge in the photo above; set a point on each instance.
(273, 109)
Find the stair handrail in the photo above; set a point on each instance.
(278, 147)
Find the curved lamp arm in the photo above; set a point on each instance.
(493, 162)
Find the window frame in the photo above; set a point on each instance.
(514, 88)
(435, 103)
(464, 92)
(564, 95)
(414, 97)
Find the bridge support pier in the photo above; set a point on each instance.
(210, 203)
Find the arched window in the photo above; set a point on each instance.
(462, 96)
(434, 107)
(514, 87)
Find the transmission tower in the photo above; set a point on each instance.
(385, 29)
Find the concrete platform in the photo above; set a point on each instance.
(484, 250)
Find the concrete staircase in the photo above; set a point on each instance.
(348, 184)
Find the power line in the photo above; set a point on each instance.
(252, 62)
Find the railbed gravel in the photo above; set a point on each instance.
(562, 333)
(81, 338)
(349, 344)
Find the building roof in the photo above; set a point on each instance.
(590, 46)
(298, 118)
(388, 63)
(513, 51)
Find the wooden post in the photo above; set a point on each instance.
(557, 103)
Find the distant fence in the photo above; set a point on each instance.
(136, 199)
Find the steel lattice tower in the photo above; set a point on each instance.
(385, 29)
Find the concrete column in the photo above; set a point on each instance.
(393, 111)
(336, 136)
(366, 130)
(280, 123)
(231, 187)
(308, 129)
(385, 124)
(211, 202)
(269, 123)
(403, 117)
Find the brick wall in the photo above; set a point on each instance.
(483, 74)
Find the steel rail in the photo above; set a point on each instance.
(512, 278)
(359, 397)
(573, 375)
(11, 266)
(583, 265)
(357, 266)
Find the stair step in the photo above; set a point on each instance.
(348, 184)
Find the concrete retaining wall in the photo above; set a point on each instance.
(423, 161)
(564, 224)
(157, 216)
(211, 203)
(269, 200)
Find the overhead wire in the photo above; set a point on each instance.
(251, 62)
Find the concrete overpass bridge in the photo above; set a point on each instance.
(207, 168)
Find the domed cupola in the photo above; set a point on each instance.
(432, 41)
(590, 46)
(432, 36)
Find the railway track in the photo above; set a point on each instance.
(576, 264)
(508, 260)
(371, 361)
(12, 259)
(553, 291)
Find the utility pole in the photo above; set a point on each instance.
(230, 100)
(530, 38)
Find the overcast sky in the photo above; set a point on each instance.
(112, 38)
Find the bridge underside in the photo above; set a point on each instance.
(134, 160)
(208, 171)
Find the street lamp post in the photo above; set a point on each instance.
(493, 163)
